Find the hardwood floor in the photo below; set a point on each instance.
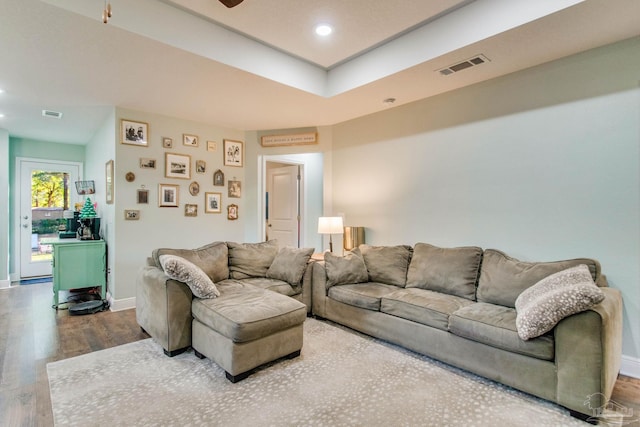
(33, 334)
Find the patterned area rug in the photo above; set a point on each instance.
(342, 378)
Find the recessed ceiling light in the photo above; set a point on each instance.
(1, 115)
(323, 30)
(1, 90)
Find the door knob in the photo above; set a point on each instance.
(25, 217)
(25, 225)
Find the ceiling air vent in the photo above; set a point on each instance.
(52, 114)
(463, 65)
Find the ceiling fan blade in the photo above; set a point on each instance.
(230, 3)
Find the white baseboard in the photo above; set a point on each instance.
(5, 284)
(121, 304)
(630, 366)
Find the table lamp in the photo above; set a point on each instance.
(330, 225)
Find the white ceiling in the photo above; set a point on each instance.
(259, 66)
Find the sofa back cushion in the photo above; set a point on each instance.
(251, 259)
(452, 271)
(289, 264)
(387, 264)
(347, 269)
(211, 258)
(503, 278)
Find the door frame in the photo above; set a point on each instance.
(20, 163)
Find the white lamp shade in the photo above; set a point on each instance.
(330, 225)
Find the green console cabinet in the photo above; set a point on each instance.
(78, 264)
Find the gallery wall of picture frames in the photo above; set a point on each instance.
(199, 166)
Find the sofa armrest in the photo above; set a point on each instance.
(163, 309)
(588, 354)
(319, 288)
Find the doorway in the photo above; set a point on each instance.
(283, 203)
(45, 190)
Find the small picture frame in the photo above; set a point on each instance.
(108, 175)
(212, 202)
(134, 133)
(190, 210)
(131, 214)
(212, 146)
(235, 189)
(194, 188)
(232, 212)
(189, 140)
(168, 195)
(218, 178)
(233, 153)
(201, 166)
(147, 163)
(142, 197)
(167, 142)
(177, 166)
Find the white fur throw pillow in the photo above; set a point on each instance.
(540, 307)
(185, 271)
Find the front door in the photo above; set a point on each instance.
(283, 222)
(47, 189)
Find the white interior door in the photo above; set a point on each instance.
(283, 187)
(46, 190)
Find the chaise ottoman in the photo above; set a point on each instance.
(246, 327)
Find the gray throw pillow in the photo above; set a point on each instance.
(251, 259)
(184, 271)
(347, 269)
(452, 271)
(213, 259)
(387, 264)
(289, 264)
(540, 307)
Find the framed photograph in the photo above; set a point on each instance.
(167, 142)
(142, 197)
(232, 212)
(212, 202)
(201, 166)
(108, 174)
(131, 214)
(235, 189)
(218, 178)
(134, 133)
(147, 163)
(211, 146)
(177, 166)
(194, 188)
(190, 210)
(190, 140)
(85, 187)
(233, 153)
(168, 195)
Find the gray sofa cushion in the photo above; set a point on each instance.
(387, 264)
(452, 271)
(422, 306)
(289, 264)
(184, 271)
(363, 295)
(275, 285)
(503, 278)
(495, 325)
(347, 269)
(251, 259)
(540, 307)
(211, 258)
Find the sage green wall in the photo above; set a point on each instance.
(4, 210)
(542, 164)
(20, 147)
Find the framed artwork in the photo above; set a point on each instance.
(201, 166)
(167, 142)
(218, 178)
(131, 214)
(233, 153)
(168, 195)
(142, 197)
(190, 210)
(211, 146)
(232, 212)
(134, 133)
(108, 173)
(212, 202)
(177, 166)
(190, 140)
(85, 187)
(235, 189)
(194, 188)
(146, 163)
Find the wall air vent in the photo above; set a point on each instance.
(463, 65)
(52, 114)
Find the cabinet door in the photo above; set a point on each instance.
(80, 265)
